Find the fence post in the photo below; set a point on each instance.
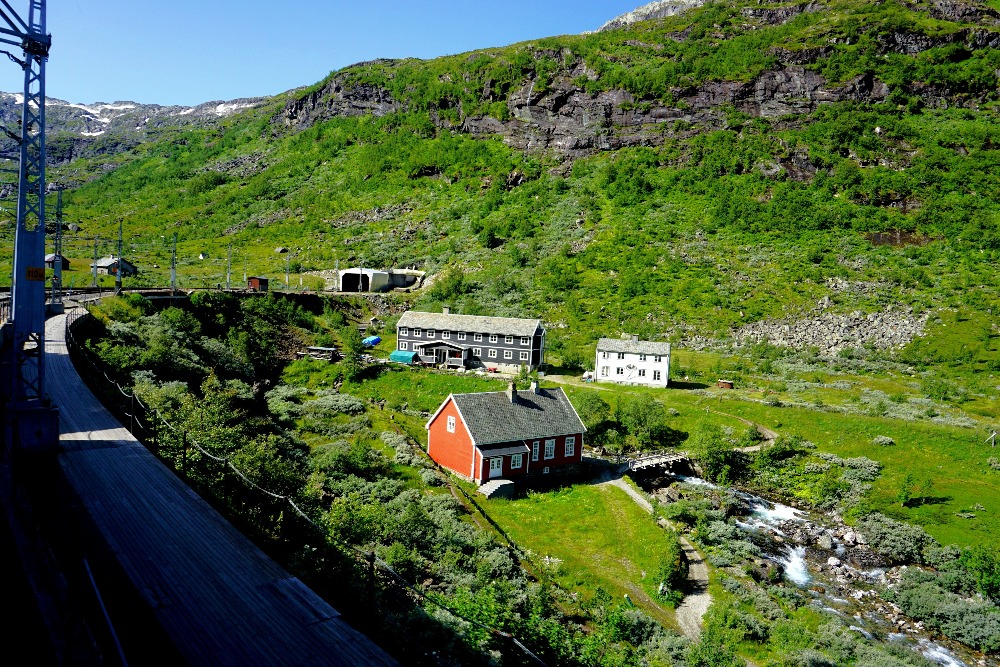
(370, 558)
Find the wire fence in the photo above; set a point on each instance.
(174, 445)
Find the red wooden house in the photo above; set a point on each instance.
(506, 434)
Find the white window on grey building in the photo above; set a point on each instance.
(570, 445)
(445, 334)
(478, 338)
(403, 331)
(493, 354)
(550, 448)
(493, 338)
(525, 340)
(416, 333)
(509, 340)
(430, 333)
(461, 335)
(477, 351)
(404, 345)
(524, 356)
(508, 354)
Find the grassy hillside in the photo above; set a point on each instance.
(720, 219)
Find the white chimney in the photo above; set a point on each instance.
(446, 310)
(511, 392)
(534, 386)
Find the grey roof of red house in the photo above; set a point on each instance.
(508, 326)
(492, 418)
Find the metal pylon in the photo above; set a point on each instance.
(24, 372)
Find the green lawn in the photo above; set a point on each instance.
(954, 459)
(600, 535)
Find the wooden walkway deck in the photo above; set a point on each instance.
(213, 597)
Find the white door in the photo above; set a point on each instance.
(496, 467)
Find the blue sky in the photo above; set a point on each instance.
(187, 52)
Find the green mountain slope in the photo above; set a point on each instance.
(677, 177)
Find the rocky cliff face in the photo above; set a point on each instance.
(81, 130)
(566, 118)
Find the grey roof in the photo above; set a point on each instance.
(633, 346)
(492, 418)
(106, 262)
(508, 326)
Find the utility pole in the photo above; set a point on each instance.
(173, 267)
(118, 269)
(57, 259)
(229, 266)
(93, 267)
(288, 264)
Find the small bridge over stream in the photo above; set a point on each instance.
(658, 460)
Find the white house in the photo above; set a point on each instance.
(632, 361)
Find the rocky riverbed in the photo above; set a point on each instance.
(828, 561)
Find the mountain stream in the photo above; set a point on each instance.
(827, 560)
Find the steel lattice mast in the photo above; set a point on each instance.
(25, 353)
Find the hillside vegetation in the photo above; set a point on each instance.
(754, 144)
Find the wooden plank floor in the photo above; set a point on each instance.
(218, 598)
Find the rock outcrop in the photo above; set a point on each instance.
(654, 10)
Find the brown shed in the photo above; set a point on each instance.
(257, 284)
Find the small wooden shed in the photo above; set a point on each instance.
(257, 284)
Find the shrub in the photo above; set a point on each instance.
(883, 441)
(430, 477)
(897, 541)
(335, 403)
(973, 622)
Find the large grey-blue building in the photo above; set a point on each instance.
(472, 341)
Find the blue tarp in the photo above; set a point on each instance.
(371, 341)
(403, 357)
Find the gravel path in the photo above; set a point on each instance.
(696, 602)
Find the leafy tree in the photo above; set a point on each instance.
(645, 419)
(905, 490)
(593, 410)
(352, 352)
(984, 564)
(717, 457)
